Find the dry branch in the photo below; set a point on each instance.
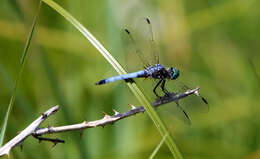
(5, 150)
(116, 117)
(34, 130)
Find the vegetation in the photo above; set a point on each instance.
(214, 44)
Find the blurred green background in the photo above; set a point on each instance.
(214, 43)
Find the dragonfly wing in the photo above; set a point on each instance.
(176, 110)
(129, 40)
(140, 39)
(195, 102)
(182, 115)
(145, 38)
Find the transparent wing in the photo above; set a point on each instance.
(191, 102)
(131, 46)
(174, 109)
(181, 114)
(146, 41)
(140, 40)
(195, 102)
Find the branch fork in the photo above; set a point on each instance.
(34, 130)
(5, 150)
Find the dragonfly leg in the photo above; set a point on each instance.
(129, 80)
(154, 90)
(163, 87)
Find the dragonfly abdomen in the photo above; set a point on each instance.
(138, 74)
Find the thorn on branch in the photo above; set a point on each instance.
(116, 112)
(103, 125)
(132, 106)
(197, 93)
(80, 133)
(21, 147)
(56, 141)
(81, 130)
(106, 116)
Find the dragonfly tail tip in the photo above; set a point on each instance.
(100, 82)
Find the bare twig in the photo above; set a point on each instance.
(107, 119)
(34, 130)
(171, 96)
(54, 141)
(5, 150)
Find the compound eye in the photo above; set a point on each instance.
(175, 73)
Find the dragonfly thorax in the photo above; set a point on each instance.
(158, 71)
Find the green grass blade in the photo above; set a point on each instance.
(158, 147)
(21, 66)
(137, 92)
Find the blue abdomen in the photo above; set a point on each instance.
(138, 74)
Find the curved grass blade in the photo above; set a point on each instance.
(21, 66)
(158, 147)
(137, 92)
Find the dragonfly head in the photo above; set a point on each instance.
(174, 73)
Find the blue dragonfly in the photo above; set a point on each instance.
(156, 71)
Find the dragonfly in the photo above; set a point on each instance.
(156, 71)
